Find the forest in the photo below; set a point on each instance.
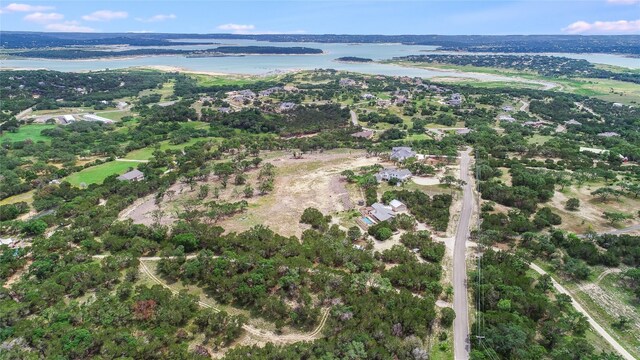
(621, 44)
(218, 51)
(544, 65)
(78, 286)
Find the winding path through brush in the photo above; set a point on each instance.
(599, 329)
(260, 333)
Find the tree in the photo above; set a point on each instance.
(187, 240)
(354, 233)
(266, 186)
(604, 193)
(203, 191)
(615, 217)
(248, 191)
(34, 227)
(447, 315)
(314, 218)
(448, 180)
(241, 179)
(572, 204)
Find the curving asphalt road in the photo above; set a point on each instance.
(461, 344)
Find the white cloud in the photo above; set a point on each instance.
(251, 29)
(624, 2)
(105, 15)
(157, 18)
(237, 28)
(604, 27)
(43, 17)
(14, 7)
(68, 26)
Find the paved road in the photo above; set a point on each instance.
(599, 329)
(461, 343)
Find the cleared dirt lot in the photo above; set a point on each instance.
(589, 215)
(311, 181)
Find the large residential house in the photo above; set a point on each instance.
(269, 91)
(133, 175)
(347, 82)
(286, 106)
(506, 118)
(534, 124)
(609, 134)
(573, 122)
(401, 153)
(381, 212)
(456, 99)
(367, 134)
(388, 174)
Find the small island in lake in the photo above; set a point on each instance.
(354, 59)
(214, 52)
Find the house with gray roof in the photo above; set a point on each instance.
(381, 212)
(388, 174)
(572, 122)
(609, 134)
(506, 118)
(133, 175)
(401, 153)
(286, 106)
(456, 99)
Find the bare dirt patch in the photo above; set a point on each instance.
(589, 215)
(313, 181)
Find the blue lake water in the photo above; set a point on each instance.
(262, 64)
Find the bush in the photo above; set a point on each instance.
(382, 230)
(12, 211)
(572, 204)
(34, 227)
(314, 218)
(188, 241)
(447, 315)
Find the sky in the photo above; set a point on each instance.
(445, 17)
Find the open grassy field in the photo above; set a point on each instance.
(538, 139)
(115, 115)
(605, 89)
(147, 152)
(215, 80)
(166, 91)
(96, 174)
(27, 132)
(26, 197)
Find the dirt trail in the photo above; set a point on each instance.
(599, 329)
(266, 335)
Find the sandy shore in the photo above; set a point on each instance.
(169, 68)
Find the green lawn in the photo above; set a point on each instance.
(96, 174)
(210, 80)
(147, 152)
(26, 197)
(538, 139)
(115, 115)
(27, 132)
